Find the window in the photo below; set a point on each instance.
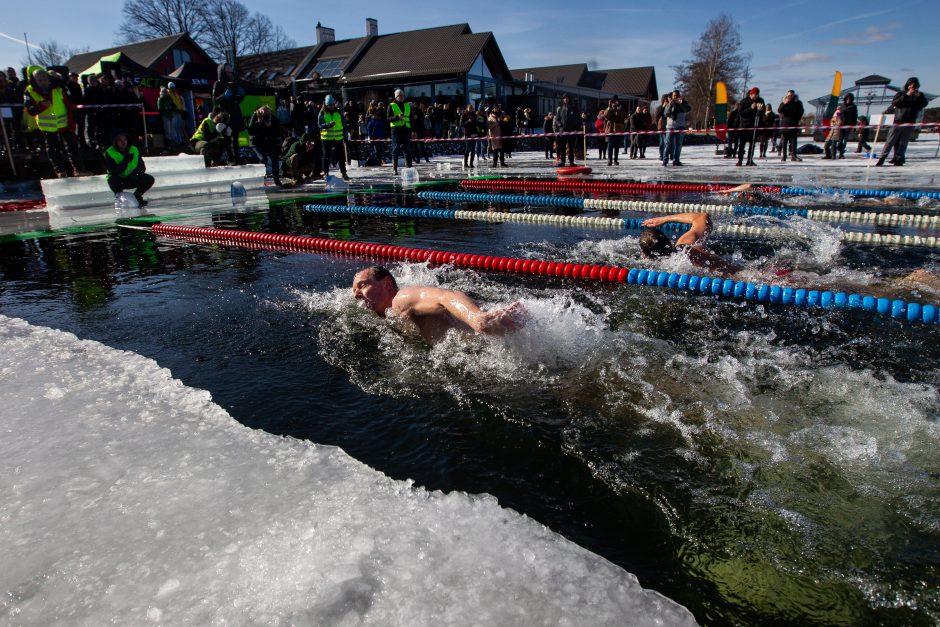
(180, 57)
(289, 70)
(330, 68)
(480, 68)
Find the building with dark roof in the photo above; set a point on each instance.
(543, 87)
(449, 63)
(161, 55)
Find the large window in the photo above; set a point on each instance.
(330, 68)
(180, 57)
(480, 68)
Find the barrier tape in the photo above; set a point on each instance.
(686, 131)
(731, 230)
(727, 288)
(22, 205)
(821, 215)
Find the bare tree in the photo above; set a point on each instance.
(147, 19)
(716, 56)
(50, 53)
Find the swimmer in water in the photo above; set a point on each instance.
(431, 309)
(747, 194)
(654, 243)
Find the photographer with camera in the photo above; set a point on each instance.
(265, 134)
(906, 105)
(791, 112)
(675, 113)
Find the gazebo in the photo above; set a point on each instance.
(873, 94)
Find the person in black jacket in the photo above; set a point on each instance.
(569, 121)
(906, 104)
(125, 168)
(849, 119)
(749, 114)
(468, 122)
(791, 112)
(266, 135)
(228, 93)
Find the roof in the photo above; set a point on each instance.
(146, 53)
(570, 75)
(426, 52)
(633, 81)
(257, 67)
(873, 79)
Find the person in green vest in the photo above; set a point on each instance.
(125, 168)
(399, 118)
(332, 134)
(46, 100)
(213, 138)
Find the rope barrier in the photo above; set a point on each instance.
(859, 193)
(597, 186)
(633, 224)
(22, 205)
(822, 215)
(727, 288)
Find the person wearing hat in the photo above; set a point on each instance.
(749, 115)
(213, 138)
(125, 168)
(46, 99)
(170, 106)
(399, 118)
(906, 104)
(332, 135)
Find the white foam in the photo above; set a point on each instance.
(129, 497)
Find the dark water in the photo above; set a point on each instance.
(758, 465)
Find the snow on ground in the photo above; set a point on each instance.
(129, 498)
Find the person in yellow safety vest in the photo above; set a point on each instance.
(213, 138)
(45, 99)
(332, 134)
(125, 168)
(399, 118)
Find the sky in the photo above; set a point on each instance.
(797, 44)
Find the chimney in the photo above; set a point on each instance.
(325, 34)
(372, 27)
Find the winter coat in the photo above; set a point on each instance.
(747, 114)
(790, 112)
(377, 128)
(496, 137)
(567, 119)
(615, 119)
(849, 114)
(675, 113)
(468, 122)
(907, 107)
(263, 136)
(228, 95)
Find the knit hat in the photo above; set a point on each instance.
(399, 92)
(330, 100)
(171, 85)
(753, 91)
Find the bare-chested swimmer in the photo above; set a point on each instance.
(748, 194)
(432, 310)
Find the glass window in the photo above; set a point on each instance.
(180, 57)
(480, 68)
(448, 89)
(329, 68)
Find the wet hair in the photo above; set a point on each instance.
(655, 243)
(380, 272)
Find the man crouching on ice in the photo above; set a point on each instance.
(431, 309)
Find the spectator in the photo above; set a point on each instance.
(125, 168)
(548, 127)
(283, 113)
(377, 130)
(640, 121)
(399, 118)
(468, 122)
(768, 121)
(228, 93)
(170, 106)
(791, 114)
(849, 119)
(213, 138)
(599, 125)
(659, 119)
(46, 99)
(301, 162)
(496, 139)
(614, 121)
(834, 136)
(863, 134)
(421, 129)
(568, 122)
(675, 114)
(749, 116)
(77, 98)
(906, 104)
(332, 134)
(265, 135)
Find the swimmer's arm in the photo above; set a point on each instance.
(734, 190)
(700, 223)
(435, 301)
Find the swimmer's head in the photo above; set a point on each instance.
(654, 243)
(375, 288)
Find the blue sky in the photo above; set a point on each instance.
(795, 44)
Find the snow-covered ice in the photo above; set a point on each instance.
(130, 498)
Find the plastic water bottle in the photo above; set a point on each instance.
(239, 194)
(409, 176)
(125, 203)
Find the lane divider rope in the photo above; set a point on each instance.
(822, 215)
(632, 224)
(606, 186)
(727, 288)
